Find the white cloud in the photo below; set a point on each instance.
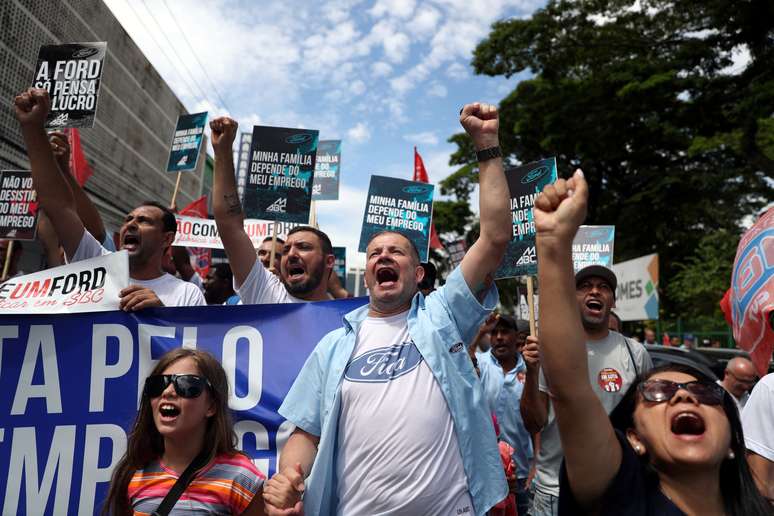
(360, 133)
(381, 69)
(342, 221)
(396, 8)
(456, 71)
(357, 88)
(422, 138)
(437, 89)
(424, 22)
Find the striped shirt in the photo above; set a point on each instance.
(225, 486)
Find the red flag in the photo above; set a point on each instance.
(198, 208)
(752, 292)
(79, 167)
(420, 174)
(200, 256)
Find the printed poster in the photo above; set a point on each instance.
(281, 174)
(524, 183)
(399, 205)
(326, 171)
(72, 74)
(186, 142)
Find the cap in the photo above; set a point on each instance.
(511, 322)
(599, 271)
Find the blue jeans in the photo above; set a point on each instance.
(542, 504)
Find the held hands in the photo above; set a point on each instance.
(561, 208)
(32, 107)
(223, 133)
(135, 297)
(482, 123)
(282, 492)
(531, 353)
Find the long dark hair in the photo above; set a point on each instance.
(740, 494)
(145, 443)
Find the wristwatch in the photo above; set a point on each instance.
(489, 153)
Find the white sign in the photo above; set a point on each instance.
(196, 232)
(87, 286)
(636, 298)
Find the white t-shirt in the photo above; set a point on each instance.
(758, 418)
(263, 287)
(169, 289)
(195, 279)
(611, 373)
(397, 450)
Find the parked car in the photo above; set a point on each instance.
(661, 355)
(723, 355)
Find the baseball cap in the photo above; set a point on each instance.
(599, 271)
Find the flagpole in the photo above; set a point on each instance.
(531, 304)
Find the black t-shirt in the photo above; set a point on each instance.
(632, 492)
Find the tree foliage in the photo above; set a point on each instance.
(658, 103)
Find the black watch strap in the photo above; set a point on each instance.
(487, 154)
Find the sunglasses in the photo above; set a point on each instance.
(706, 393)
(186, 385)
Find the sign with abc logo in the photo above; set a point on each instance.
(280, 174)
(524, 183)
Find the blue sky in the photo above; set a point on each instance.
(382, 75)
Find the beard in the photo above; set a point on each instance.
(314, 277)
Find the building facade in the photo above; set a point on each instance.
(129, 144)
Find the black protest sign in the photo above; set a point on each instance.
(327, 171)
(281, 173)
(398, 205)
(340, 264)
(18, 205)
(186, 142)
(72, 74)
(524, 183)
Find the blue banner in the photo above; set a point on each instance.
(70, 387)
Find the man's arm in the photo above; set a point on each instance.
(283, 491)
(481, 123)
(533, 404)
(763, 472)
(53, 192)
(592, 451)
(83, 205)
(225, 201)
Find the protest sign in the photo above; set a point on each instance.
(196, 232)
(327, 171)
(593, 245)
(340, 265)
(281, 173)
(636, 297)
(86, 286)
(524, 183)
(243, 162)
(456, 252)
(71, 385)
(18, 205)
(186, 142)
(72, 74)
(398, 205)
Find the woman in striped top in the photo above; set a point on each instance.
(183, 412)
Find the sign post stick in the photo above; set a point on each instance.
(531, 304)
(177, 187)
(7, 264)
(273, 243)
(313, 214)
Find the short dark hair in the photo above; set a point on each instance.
(223, 271)
(414, 249)
(269, 239)
(167, 216)
(325, 242)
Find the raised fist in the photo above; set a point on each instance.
(482, 123)
(224, 131)
(32, 107)
(561, 208)
(60, 146)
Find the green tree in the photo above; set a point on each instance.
(675, 137)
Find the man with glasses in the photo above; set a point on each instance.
(738, 379)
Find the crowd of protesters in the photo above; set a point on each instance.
(477, 413)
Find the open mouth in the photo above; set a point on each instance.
(295, 271)
(594, 305)
(386, 276)
(131, 242)
(687, 423)
(169, 411)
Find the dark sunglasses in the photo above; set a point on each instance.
(706, 393)
(186, 385)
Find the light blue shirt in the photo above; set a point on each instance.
(503, 394)
(440, 325)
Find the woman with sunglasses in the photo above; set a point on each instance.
(184, 416)
(680, 450)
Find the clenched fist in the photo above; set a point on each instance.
(482, 123)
